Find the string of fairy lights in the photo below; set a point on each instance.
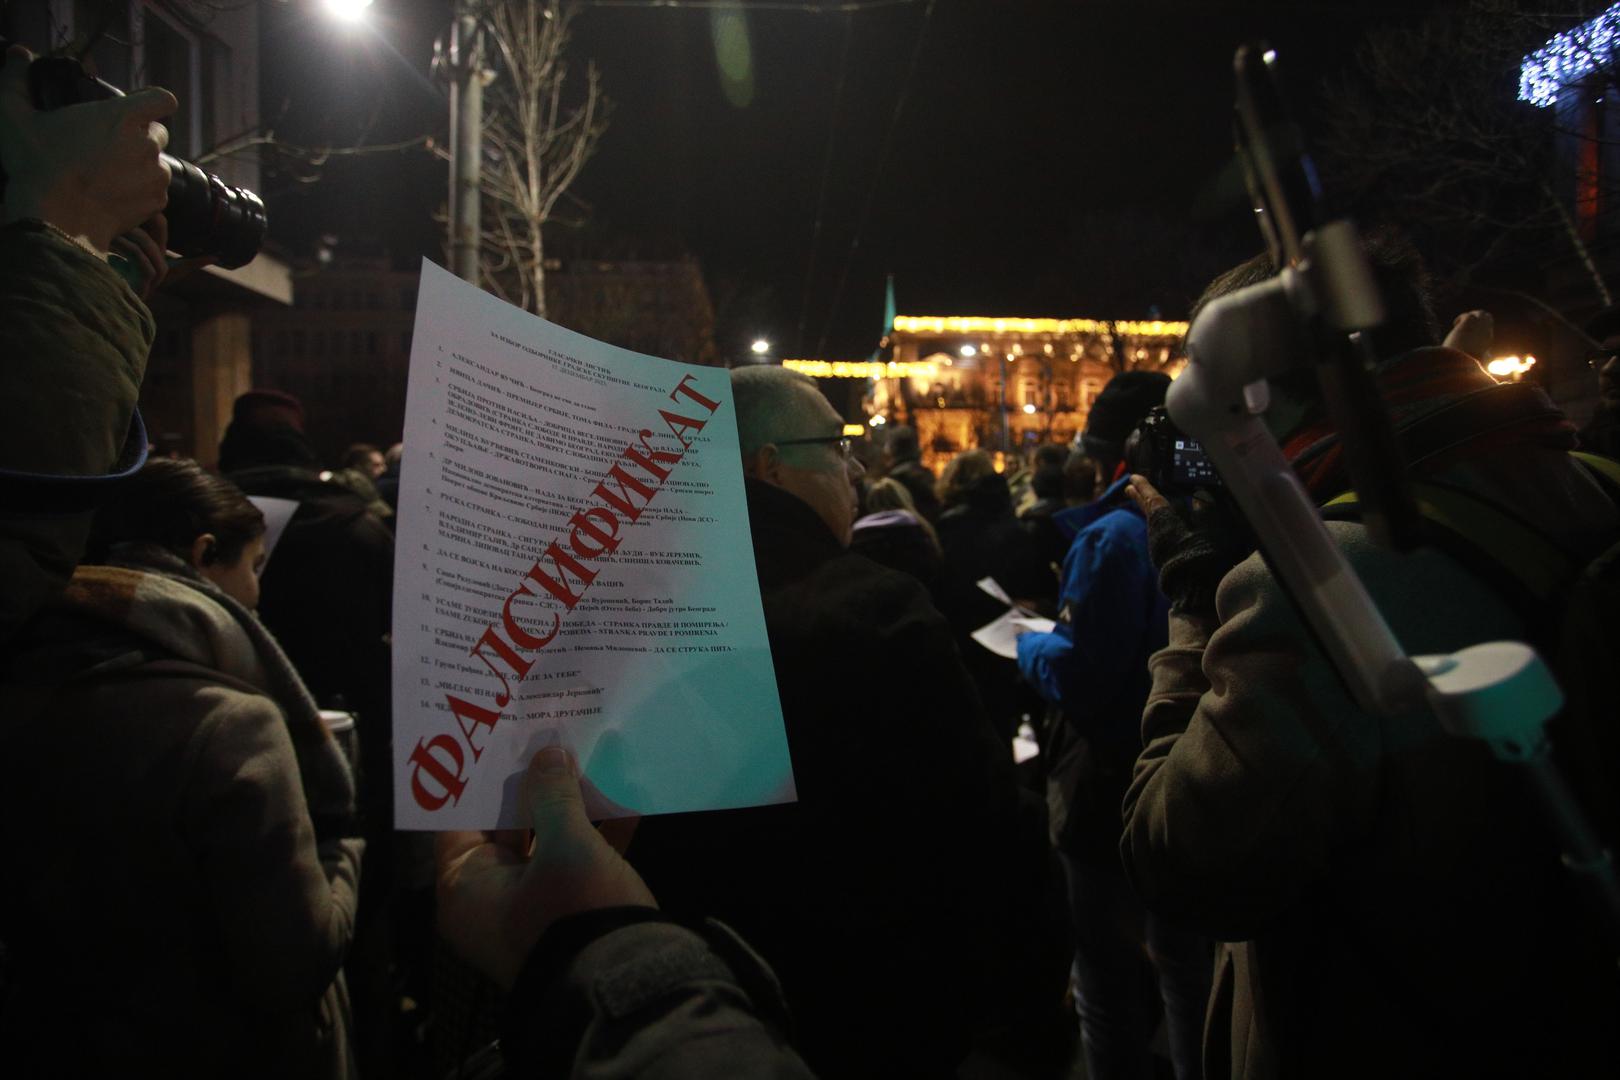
(1569, 57)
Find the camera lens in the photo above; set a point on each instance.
(206, 215)
(209, 217)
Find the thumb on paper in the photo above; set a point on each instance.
(550, 793)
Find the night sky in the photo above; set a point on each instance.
(1051, 157)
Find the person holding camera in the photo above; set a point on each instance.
(1391, 900)
(76, 335)
(1092, 668)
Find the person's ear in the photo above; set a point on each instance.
(204, 551)
(764, 464)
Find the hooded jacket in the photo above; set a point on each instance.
(174, 908)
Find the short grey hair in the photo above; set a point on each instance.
(766, 398)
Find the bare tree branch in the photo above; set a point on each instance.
(539, 131)
(1428, 131)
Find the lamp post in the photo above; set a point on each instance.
(462, 65)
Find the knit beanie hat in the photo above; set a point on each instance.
(1117, 411)
(268, 408)
(266, 428)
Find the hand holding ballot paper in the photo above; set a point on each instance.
(1001, 636)
(496, 897)
(570, 571)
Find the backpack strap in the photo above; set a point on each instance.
(1524, 565)
(1606, 471)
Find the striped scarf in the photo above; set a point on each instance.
(1415, 387)
(178, 614)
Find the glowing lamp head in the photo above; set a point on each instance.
(968, 351)
(760, 347)
(349, 11)
(878, 421)
(1029, 407)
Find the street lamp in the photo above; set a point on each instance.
(760, 347)
(349, 11)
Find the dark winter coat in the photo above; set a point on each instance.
(982, 538)
(917, 479)
(911, 865)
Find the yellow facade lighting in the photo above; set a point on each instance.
(973, 324)
(854, 431)
(862, 369)
(1153, 328)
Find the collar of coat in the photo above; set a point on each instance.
(789, 536)
(1071, 521)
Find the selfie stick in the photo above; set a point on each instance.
(1499, 692)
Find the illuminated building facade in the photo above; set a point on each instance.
(1003, 384)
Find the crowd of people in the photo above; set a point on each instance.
(1215, 841)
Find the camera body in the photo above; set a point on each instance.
(1173, 461)
(206, 216)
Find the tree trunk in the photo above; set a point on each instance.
(537, 273)
(1582, 252)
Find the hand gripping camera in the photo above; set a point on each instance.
(206, 215)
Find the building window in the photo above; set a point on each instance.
(109, 58)
(171, 57)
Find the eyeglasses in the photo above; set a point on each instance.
(843, 442)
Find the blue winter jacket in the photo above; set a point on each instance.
(1093, 666)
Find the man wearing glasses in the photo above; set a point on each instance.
(909, 889)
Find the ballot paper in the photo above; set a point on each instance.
(1001, 635)
(573, 567)
(277, 513)
(993, 587)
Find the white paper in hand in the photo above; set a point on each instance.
(573, 566)
(993, 587)
(277, 514)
